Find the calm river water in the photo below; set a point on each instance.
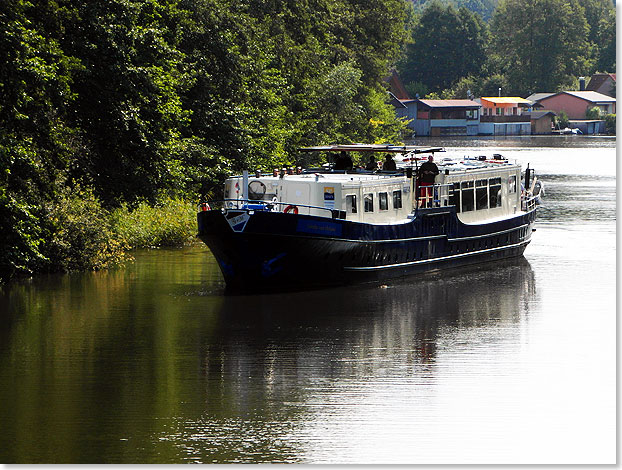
(513, 362)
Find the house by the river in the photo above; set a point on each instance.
(440, 117)
(503, 115)
(576, 104)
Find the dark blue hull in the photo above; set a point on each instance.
(276, 251)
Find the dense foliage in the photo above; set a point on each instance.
(124, 103)
(528, 46)
(447, 44)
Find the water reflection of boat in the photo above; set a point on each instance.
(324, 227)
(336, 332)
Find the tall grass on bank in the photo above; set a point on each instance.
(89, 237)
(76, 233)
(171, 222)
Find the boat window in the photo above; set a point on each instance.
(512, 184)
(454, 197)
(383, 201)
(368, 200)
(467, 196)
(397, 199)
(481, 198)
(495, 192)
(351, 204)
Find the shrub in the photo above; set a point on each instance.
(81, 234)
(171, 222)
(562, 120)
(593, 113)
(610, 124)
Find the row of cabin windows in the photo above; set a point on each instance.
(479, 194)
(368, 202)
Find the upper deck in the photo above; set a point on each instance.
(480, 188)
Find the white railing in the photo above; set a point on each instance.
(436, 195)
(252, 205)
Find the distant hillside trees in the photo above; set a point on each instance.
(527, 46)
(483, 8)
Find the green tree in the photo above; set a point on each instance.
(599, 15)
(606, 42)
(561, 120)
(128, 95)
(447, 44)
(610, 124)
(541, 44)
(36, 144)
(593, 113)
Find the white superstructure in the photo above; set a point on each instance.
(479, 189)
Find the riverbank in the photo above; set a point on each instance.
(79, 234)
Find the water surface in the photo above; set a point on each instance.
(512, 362)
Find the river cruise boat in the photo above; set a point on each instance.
(319, 227)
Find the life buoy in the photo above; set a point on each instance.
(292, 208)
(205, 207)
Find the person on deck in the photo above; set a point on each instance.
(426, 176)
(371, 163)
(389, 163)
(344, 162)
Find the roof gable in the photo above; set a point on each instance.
(598, 79)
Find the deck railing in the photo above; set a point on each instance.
(252, 205)
(529, 203)
(436, 195)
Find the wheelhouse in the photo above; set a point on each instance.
(478, 189)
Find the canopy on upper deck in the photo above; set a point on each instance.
(372, 148)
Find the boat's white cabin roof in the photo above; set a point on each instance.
(449, 165)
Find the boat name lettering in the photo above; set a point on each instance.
(325, 228)
(238, 222)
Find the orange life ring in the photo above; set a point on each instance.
(291, 208)
(205, 207)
